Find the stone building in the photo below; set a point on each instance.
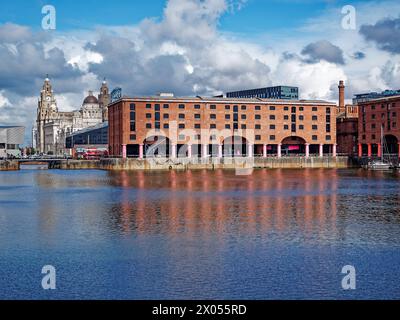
(53, 126)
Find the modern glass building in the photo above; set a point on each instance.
(365, 97)
(96, 135)
(279, 92)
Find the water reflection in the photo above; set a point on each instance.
(200, 234)
(295, 205)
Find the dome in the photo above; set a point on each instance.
(90, 99)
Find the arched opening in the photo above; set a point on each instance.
(132, 150)
(392, 144)
(235, 146)
(156, 146)
(293, 146)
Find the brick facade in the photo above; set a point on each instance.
(266, 125)
(347, 130)
(377, 116)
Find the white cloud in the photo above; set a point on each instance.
(4, 102)
(184, 52)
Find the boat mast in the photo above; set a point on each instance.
(382, 144)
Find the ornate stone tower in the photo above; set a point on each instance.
(104, 99)
(47, 110)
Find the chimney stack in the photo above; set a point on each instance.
(341, 96)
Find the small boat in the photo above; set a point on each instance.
(379, 166)
(382, 164)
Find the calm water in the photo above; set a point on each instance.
(277, 234)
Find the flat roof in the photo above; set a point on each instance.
(10, 127)
(263, 88)
(380, 99)
(88, 129)
(200, 99)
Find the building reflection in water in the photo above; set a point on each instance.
(219, 202)
(288, 205)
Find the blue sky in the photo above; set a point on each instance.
(256, 16)
(193, 47)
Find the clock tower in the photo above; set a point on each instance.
(46, 112)
(104, 99)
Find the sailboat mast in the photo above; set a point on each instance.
(382, 144)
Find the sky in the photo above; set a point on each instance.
(194, 47)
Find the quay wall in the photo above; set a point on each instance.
(210, 164)
(9, 165)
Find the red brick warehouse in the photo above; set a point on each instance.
(346, 125)
(277, 127)
(377, 116)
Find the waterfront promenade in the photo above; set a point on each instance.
(185, 163)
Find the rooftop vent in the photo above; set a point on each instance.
(166, 94)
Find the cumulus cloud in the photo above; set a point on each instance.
(385, 33)
(317, 81)
(323, 50)
(183, 53)
(24, 62)
(4, 102)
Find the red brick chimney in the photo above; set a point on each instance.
(341, 96)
